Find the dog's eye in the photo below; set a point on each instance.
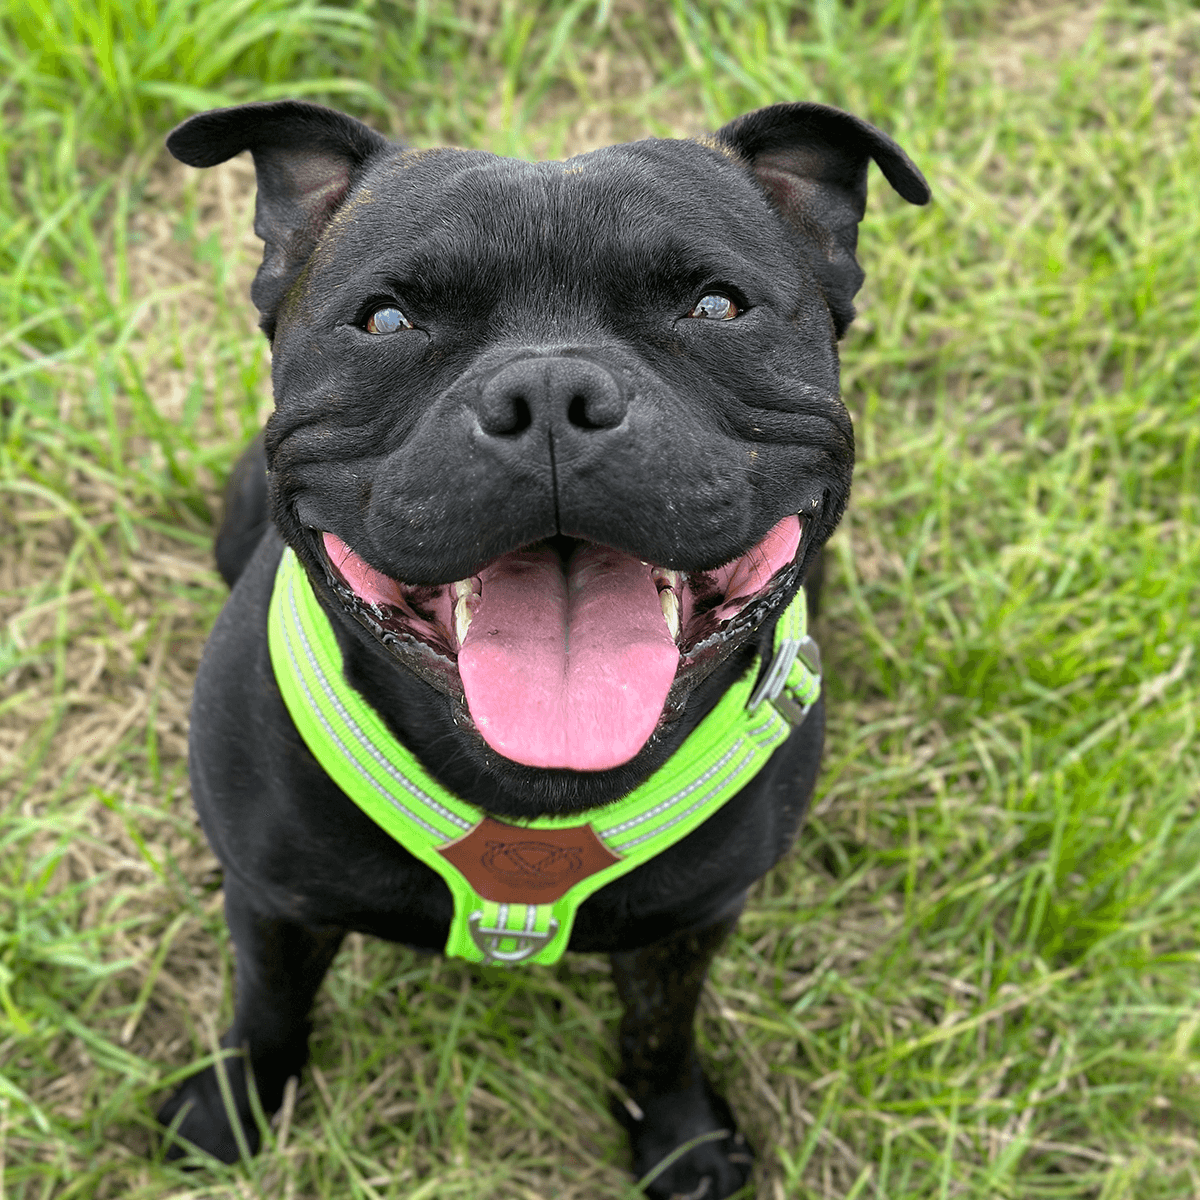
(715, 307)
(388, 319)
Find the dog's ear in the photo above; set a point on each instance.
(811, 160)
(306, 159)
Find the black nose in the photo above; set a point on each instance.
(565, 394)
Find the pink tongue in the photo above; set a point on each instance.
(571, 670)
(567, 671)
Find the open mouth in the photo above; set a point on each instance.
(566, 653)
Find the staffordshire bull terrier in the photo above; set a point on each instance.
(515, 657)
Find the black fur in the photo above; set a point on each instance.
(552, 386)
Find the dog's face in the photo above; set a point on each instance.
(562, 435)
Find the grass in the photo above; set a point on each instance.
(977, 975)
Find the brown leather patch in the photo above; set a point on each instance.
(514, 865)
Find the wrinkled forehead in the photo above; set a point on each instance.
(445, 205)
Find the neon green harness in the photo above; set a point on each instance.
(517, 887)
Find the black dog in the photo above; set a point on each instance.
(554, 446)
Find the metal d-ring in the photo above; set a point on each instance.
(488, 939)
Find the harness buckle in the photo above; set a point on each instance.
(488, 938)
(809, 654)
(774, 685)
(792, 712)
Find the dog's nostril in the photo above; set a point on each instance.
(577, 413)
(511, 416)
(522, 418)
(600, 407)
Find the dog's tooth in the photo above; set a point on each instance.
(670, 611)
(665, 577)
(462, 616)
(466, 587)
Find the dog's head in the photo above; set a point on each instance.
(562, 435)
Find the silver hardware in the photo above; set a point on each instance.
(487, 939)
(776, 674)
(774, 682)
(789, 710)
(809, 654)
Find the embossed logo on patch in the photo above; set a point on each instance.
(511, 864)
(532, 862)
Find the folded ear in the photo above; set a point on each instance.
(306, 159)
(811, 161)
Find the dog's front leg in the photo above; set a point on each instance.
(670, 1100)
(280, 965)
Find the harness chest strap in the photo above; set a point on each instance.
(517, 887)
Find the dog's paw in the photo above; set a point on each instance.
(715, 1168)
(207, 1120)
